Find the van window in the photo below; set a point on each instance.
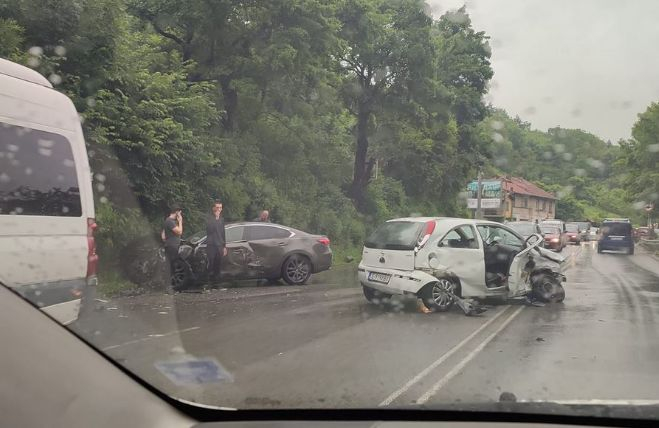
(37, 173)
(616, 229)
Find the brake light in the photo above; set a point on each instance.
(429, 229)
(325, 241)
(92, 257)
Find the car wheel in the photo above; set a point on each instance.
(439, 295)
(296, 270)
(182, 276)
(549, 289)
(375, 296)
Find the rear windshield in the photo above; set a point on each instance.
(395, 235)
(572, 227)
(550, 229)
(523, 229)
(616, 229)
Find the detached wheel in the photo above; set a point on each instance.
(438, 295)
(375, 296)
(549, 289)
(296, 270)
(182, 276)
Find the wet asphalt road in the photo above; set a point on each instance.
(323, 345)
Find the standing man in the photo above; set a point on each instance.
(263, 217)
(171, 236)
(215, 241)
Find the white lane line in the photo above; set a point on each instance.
(437, 362)
(455, 370)
(151, 336)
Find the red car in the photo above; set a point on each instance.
(573, 233)
(554, 239)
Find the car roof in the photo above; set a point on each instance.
(446, 221)
(18, 71)
(263, 223)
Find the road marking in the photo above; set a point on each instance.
(439, 361)
(149, 337)
(455, 370)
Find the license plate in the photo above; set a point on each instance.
(616, 238)
(379, 277)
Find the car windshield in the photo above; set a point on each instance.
(395, 235)
(366, 174)
(552, 230)
(524, 229)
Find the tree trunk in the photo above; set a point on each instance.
(230, 96)
(363, 165)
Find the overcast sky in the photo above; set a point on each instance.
(588, 64)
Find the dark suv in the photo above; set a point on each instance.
(616, 234)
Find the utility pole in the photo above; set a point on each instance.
(479, 191)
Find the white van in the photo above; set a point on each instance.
(47, 248)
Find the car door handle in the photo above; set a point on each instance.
(281, 244)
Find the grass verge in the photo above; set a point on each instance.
(112, 283)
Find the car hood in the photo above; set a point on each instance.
(551, 255)
(619, 409)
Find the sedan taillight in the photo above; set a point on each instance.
(325, 241)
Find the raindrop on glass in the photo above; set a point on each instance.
(100, 187)
(579, 172)
(45, 143)
(4, 178)
(12, 147)
(45, 152)
(100, 177)
(567, 156)
(497, 125)
(35, 51)
(653, 148)
(55, 79)
(68, 163)
(60, 50)
(103, 200)
(497, 137)
(33, 62)
(559, 148)
(65, 210)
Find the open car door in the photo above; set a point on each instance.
(519, 281)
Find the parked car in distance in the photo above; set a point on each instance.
(573, 233)
(525, 228)
(555, 239)
(616, 235)
(256, 251)
(584, 229)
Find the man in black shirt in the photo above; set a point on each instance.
(171, 235)
(215, 241)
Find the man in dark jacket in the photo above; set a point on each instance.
(215, 241)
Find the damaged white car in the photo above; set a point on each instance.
(452, 260)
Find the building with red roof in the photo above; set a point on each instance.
(512, 198)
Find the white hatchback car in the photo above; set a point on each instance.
(433, 258)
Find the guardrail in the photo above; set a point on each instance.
(652, 245)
